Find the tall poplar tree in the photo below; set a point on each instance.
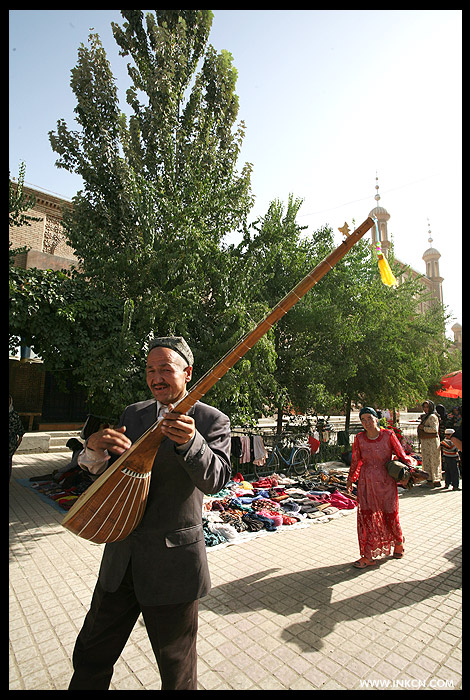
(161, 190)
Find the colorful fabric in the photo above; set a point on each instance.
(378, 525)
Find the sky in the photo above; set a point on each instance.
(334, 102)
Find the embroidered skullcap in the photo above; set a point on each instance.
(367, 409)
(176, 343)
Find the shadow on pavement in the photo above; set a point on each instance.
(288, 594)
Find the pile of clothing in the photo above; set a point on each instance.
(62, 486)
(249, 448)
(64, 497)
(243, 508)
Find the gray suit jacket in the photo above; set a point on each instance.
(167, 549)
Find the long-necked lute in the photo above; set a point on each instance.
(112, 507)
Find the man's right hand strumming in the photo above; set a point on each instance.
(109, 439)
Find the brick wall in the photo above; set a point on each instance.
(45, 236)
(27, 385)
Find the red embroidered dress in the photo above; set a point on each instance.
(378, 526)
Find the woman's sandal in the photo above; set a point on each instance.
(399, 555)
(363, 563)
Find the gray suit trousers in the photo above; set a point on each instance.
(172, 630)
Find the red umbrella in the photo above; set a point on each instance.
(451, 385)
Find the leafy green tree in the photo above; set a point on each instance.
(61, 318)
(350, 339)
(19, 203)
(396, 350)
(161, 190)
(273, 257)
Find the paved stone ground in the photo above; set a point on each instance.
(286, 611)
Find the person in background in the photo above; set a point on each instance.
(456, 423)
(443, 420)
(455, 417)
(378, 524)
(456, 440)
(428, 433)
(15, 433)
(450, 456)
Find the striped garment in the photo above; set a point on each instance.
(449, 449)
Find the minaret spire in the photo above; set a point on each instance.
(430, 234)
(377, 195)
(379, 233)
(431, 258)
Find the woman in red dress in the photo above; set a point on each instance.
(378, 526)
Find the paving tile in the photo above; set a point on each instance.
(286, 611)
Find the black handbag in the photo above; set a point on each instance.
(404, 475)
(397, 470)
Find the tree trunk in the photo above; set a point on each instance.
(280, 413)
(347, 415)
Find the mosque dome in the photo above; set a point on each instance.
(380, 213)
(431, 253)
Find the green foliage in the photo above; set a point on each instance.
(350, 338)
(161, 190)
(71, 327)
(365, 342)
(18, 202)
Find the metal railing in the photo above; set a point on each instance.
(333, 442)
(284, 442)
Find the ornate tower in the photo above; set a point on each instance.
(431, 258)
(382, 217)
(457, 331)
